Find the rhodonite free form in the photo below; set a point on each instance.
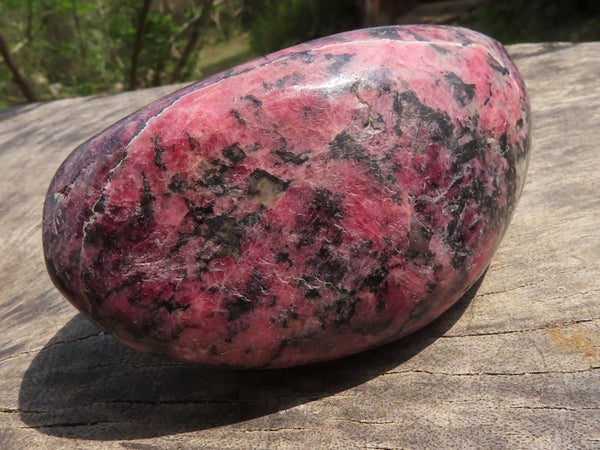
(310, 204)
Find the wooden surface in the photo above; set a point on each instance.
(517, 365)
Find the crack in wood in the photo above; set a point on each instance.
(382, 448)
(554, 408)
(273, 430)
(202, 401)
(49, 346)
(21, 411)
(69, 424)
(505, 291)
(478, 374)
(364, 422)
(579, 293)
(523, 330)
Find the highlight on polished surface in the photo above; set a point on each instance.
(310, 204)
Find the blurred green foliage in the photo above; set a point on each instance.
(68, 48)
(281, 23)
(513, 21)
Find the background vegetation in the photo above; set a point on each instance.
(63, 48)
(513, 21)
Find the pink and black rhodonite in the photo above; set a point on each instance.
(316, 202)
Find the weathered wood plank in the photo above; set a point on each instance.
(518, 365)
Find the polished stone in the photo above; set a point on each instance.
(310, 204)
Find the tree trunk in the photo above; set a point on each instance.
(193, 40)
(80, 40)
(16, 72)
(29, 20)
(137, 47)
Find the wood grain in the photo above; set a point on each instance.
(515, 364)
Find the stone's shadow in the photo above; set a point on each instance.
(84, 384)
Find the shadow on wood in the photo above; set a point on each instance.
(84, 384)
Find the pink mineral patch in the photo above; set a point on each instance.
(313, 203)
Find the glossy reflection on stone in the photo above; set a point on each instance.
(313, 203)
